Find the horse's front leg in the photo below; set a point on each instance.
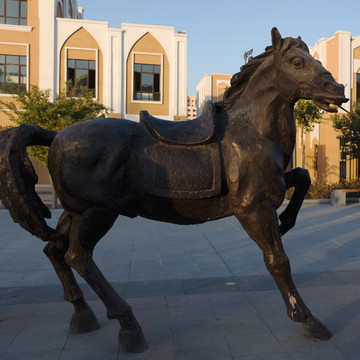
(261, 223)
(299, 179)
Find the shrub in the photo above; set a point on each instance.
(323, 190)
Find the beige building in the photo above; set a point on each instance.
(133, 68)
(320, 149)
(211, 87)
(136, 67)
(191, 107)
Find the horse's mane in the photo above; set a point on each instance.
(240, 80)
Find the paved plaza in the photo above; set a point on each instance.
(200, 292)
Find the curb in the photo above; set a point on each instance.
(44, 193)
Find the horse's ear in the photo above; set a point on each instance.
(276, 39)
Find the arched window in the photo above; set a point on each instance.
(82, 73)
(147, 82)
(70, 9)
(59, 12)
(358, 86)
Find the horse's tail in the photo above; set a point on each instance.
(18, 179)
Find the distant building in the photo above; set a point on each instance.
(211, 87)
(136, 67)
(191, 107)
(321, 153)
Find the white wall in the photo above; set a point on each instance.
(175, 47)
(47, 55)
(115, 45)
(345, 66)
(203, 92)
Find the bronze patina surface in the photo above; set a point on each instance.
(229, 162)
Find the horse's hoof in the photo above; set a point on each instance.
(132, 340)
(314, 330)
(83, 321)
(286, 223)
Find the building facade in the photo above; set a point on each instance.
(319, 151)
(211, 87)
(136, 67)
(191, 107)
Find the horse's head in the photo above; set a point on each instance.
(300, 76)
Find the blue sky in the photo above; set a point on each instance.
(221, 31)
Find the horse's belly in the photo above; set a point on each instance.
(180, 211)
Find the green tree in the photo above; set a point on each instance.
(37, 108)
(349, 126)
(306, 114)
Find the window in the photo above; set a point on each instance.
(82, 73)
(13, 12)
(342, 169)
(59, 13)
(146, 82)
(12, 74)
(357, 87)
(70, 9)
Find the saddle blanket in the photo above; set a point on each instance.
(179, 172)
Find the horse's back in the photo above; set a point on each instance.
(87, 161)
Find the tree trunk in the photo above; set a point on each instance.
(302, 148)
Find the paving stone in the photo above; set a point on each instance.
(193, 313)
(151, 315)
(254, 344)
(6, 340)
(228, 298)
(199, 292)
(28, 342)
(187, 301)
(153, 288)
(95, 353)
(195, 330)
(325, 354)
(279, 356)
(107, 336)
(235, 327)
(199, 348)
(208, 285)
(33, 355)
(157, 352)
(235, 311)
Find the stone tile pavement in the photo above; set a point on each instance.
(200, 292)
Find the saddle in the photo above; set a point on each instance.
(192, 132)
(179, 165)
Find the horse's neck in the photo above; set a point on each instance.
(260, 108)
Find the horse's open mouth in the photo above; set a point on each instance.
(325, 104)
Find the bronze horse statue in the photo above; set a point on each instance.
(230, 161)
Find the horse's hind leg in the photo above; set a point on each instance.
(83, 319)
(86, 230)
(261, 223)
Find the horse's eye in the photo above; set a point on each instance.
(297, 62)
